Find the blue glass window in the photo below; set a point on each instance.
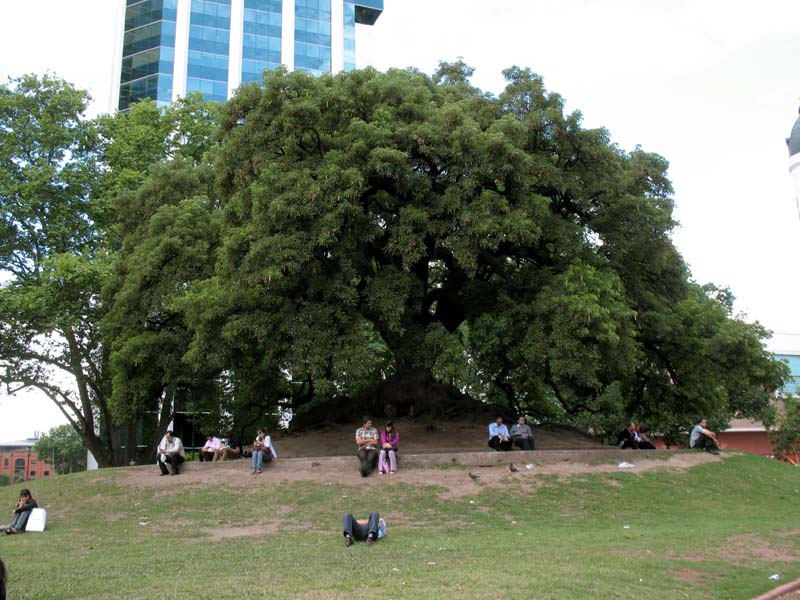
(349, 36)
(211, 90)
(312, 47)
(261, 40)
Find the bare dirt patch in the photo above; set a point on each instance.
(753, 547)
(693, 576)
(746, 549)
(338, 463)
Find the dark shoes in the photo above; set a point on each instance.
(348, 541)
(370, 539)
(362, 470)
(712, 450)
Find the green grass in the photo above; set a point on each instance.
(715, 531)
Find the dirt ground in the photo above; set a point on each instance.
(456, 481)
(425, 437)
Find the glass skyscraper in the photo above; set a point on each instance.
(172, 47)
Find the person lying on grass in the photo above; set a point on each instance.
(25, 505)
(366, 530)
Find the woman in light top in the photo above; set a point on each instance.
(387, 459)
(262, 451)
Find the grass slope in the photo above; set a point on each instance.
(715, 531)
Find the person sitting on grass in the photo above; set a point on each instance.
(499, 438)
(522, 434)
(387, 459)
(629, 438)
(171, 451)
(230, 447)
(25, 505)
(367, 442)
(209, 451)
(365, 530)
(703, 439)
(263, 451)
(644, 440)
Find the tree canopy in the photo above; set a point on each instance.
(359, 242)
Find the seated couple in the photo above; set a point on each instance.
(500, 438)
(634, 437)
(224, 449)
(263, 451)
(368, 453)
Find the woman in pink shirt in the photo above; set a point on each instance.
(389, 441)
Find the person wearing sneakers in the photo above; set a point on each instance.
(387, 459)
(703, 439)
(367, 442)
(263, 451)
(366, 530)
(171, 451)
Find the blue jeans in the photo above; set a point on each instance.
(259, 458)
(357, 531)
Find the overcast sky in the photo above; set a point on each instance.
(712, 85)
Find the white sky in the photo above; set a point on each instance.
(712, 85)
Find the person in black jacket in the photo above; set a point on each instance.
(23, 510)
(629, 437)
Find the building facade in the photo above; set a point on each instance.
(172, 47)
(20, 463)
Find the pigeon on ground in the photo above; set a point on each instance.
(473, 476)
(512, 468)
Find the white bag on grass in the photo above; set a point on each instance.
(36, 520)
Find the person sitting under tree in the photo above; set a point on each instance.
(702, 438)
(367, 442)
(522, 434)
(171, 451)
(210, 449)
(499, 438)
(629, 438)
(263, 451)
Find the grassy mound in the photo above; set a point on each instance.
(717, 530)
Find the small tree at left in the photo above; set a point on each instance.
(63, 448)
(52, 255)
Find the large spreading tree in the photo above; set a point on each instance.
(361, 242)
(398, 239)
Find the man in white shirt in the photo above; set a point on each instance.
(499, 438)
(171, 451)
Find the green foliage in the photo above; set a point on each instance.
(63, 448)
(426, 226)
(786, 436)
(51, 248)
